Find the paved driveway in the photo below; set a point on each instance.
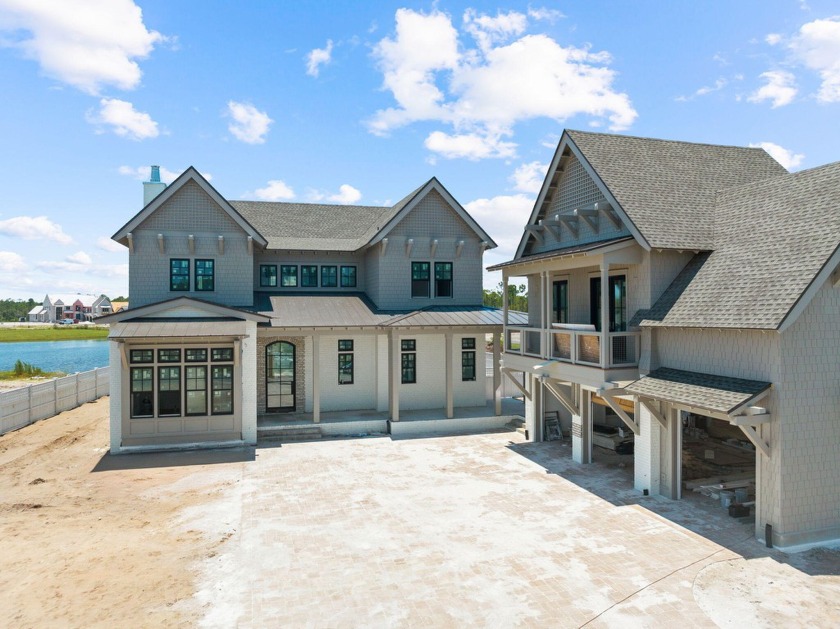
(483, 531)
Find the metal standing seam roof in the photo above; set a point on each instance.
(772, 239)
(178, 329)
(449, 316)
(667, 188)
(720, 394)
(590, 247)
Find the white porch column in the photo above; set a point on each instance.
(605, 313)
(316, 378)
(505, 304)
(450, 411)
(674, 458)
(497, 373)
(394, 376)
(582, 426)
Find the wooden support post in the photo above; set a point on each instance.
(649, 405)
(450, 410)
(394, 369)
(605, 314)
(497, 374)
(316, 378)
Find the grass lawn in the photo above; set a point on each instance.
(58, 333)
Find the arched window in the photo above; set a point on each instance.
(280, 377)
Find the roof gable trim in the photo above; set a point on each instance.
(182, 303)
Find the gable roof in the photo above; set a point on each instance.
(190, 174)
(326, 227)
(189, 307)
(667, 188)
(68, 299)
(775, 242)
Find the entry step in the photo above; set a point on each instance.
(288, 433)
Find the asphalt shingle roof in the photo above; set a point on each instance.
(317, 226)
(667, 188)
(771, 239)
(700, 390)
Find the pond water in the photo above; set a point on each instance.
(66, 356)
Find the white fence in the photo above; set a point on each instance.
(21, 407)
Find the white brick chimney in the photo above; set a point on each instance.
(153, 187)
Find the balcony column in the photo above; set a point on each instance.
(497, 373)
(582, 426)
(546, 315)
(449, 378)
(605, 313)
(505, 304)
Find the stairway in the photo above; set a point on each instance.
(285, 434)
(517, 424)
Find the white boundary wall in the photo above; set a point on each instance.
(27, 405)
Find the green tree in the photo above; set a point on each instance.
(517, 297)
(14, 309)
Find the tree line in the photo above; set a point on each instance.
(517, 297)
(14, 309)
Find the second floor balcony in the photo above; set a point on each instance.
(578, 344)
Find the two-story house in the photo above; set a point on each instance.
(689, 294)
(56, 308)
(244, 309)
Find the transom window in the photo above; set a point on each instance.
(419, 279)
(268, 275)
(204, 275)
(443, 279)
(309, 275)
(288, 275)
(172, 387)
(329, 276)
(348, 277)
(409, 361)
(179, 274)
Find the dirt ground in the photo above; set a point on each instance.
(88, 546)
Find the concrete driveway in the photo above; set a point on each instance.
(486, 531)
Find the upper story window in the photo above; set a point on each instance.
(268, 275)
(309, 276)
(443, 279)
(617, 301)
(288, 275)
(348, 277)
(205, 275)
(179, 274)
(419, 279)
(560, 301)
(329, 277)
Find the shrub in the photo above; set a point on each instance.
(25, 369)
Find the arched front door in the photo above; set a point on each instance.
(280, 377)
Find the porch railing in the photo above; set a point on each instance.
(574, 346)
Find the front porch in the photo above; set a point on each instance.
(411, 422)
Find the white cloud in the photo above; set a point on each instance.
(773, 38)
(529, 177)
(106, 244)
(346, 195)
(124, 120)
(318, 57)
(275, 190)
(86, 43)
(817, 45)
(249, 125)
(471, 146)
(80, 257)
(543, 13)
(780, 89)
(706, 89)
(99, 270)
(786, 158)
(34, 228)
(11, 262)
(484, 91)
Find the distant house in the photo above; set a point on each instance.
(243, 310)
(56, 307)
(689, 295)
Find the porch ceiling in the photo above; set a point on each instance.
(719, 394)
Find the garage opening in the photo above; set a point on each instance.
(612, 440)
(718, 463)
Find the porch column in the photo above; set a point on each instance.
(394, 370)
(582, 426)
(546, 315)
(449, 384)
(316, 378)
(605, 313)
(497, 373)
(505, 304)
(534, 407)
(674, 446)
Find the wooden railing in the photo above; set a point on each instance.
(574, 346)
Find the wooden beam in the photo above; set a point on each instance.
(161, 246)
(752, 435)
(535, 230)
(570, 222)
(561, 397)
(591, 217)
(627, 405)
(509, 373)
(607, 394)
(409, 243)
(750, 420)
(383, 246)
(648, 404)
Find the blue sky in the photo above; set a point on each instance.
(363, 102)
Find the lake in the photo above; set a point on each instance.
(66, 356)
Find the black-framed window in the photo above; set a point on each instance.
(309, 275)
(221, 390)
(348, 277)
(142, 392)
(268, 275)
(443, 279)
(420, 279)
(205, 278)
(169, 355)
(142, 356)
(617, 300)
(345, 361)
(179, 274)
(192, 355)
(560, 301)
(409, 361)
(195, 383)
(329, 276)
(221, 354)
(468, 359)
(280, 379)
(288, 275)
(169, 391)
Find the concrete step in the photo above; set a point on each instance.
(515, 423)
(288, 433)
